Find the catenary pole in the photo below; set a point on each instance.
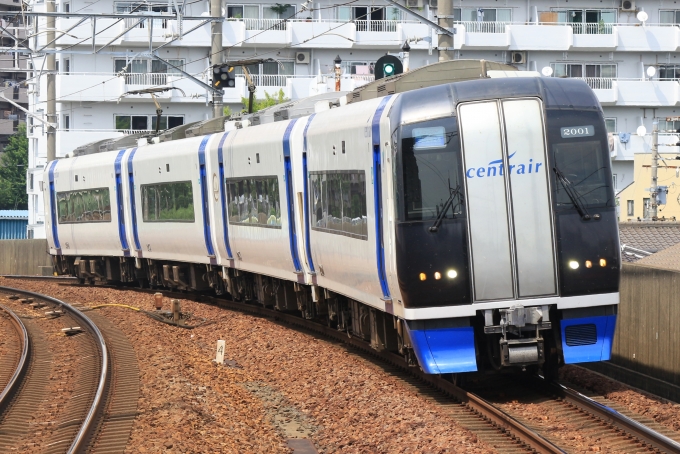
(445, 20)
(216, 53)
(654, 189)
(50, 69)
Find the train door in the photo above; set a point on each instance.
(512, 246)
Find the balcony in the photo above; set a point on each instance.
(9, 126)
(323, 34)
(567, 36)
(110, 87)
(293, 87)
(635, 92)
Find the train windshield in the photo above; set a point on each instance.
(432, 177)
(580, 159)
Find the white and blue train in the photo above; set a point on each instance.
(468, 226)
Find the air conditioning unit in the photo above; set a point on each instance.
(433, 3)
(518, 58)
(302, 57)
(414, 3)
(627, 5)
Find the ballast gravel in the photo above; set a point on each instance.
(277, 383)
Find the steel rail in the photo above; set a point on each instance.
(20, 370)
(623, 422)
(89, 423)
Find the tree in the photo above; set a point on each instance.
(268, 101)
(13, 166)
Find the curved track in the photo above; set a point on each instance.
(99, 413)
(17, 356)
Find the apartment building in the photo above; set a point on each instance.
(609, 44)
(12, 71)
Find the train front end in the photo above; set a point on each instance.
(506, 235)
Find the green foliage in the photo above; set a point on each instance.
(268, 101)
(13, 167)
(226, 111)
(279, 9)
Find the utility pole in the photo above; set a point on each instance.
(50, 68)
(654, 189)
(445, 20)
(216, 53)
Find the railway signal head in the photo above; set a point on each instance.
(223, 77)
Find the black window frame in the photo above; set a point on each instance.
(256, 182)
(143, 192)
(68, 194)
(314, 207)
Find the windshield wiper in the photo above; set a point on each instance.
(445, 208)
(573, 194)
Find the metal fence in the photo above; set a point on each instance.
(598, 83)
(593, 28)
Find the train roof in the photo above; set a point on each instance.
(464, 80)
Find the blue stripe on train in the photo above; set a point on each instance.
(204, 197)
(133, 203)
(308, 246)
(377, 197)
(220, 159)
(288, 180)
(119, 202)
(53, 210)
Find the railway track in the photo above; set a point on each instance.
(99, 375)
(474, 409)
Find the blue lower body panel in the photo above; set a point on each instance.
(444, 350)
(587, 339)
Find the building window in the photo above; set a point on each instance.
(646, 208)
(146, 122)
(30, 182)
(147, 72)
(483, 20)
(669, 17)
(66, 7)
(614, 181)
(669, 125)
(630, 207)
(262, 17)
(610, 123)
(372, 19)
(584, 21)
(143, 7)
(669, 72)
(66, 66)
(597, 76)
(66, 123)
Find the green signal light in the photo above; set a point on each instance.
(388, 69)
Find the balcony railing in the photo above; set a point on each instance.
(264, 24)
(146, 78)
(594, 28)
(484, 27)
(157, 23)
(376, 25)
(598, 83)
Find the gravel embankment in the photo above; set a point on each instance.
(279, 383)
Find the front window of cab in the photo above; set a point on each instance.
(431, 171)
(581, 156)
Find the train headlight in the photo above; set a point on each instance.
(423, 276)
(589, 264)
(603, 263)
(451, 274)
(573, 264)
(437, 275)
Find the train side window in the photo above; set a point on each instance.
(338, 201)
(168, 202)
(254, 201)
(85, 205)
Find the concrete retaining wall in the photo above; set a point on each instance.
(23, 256)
